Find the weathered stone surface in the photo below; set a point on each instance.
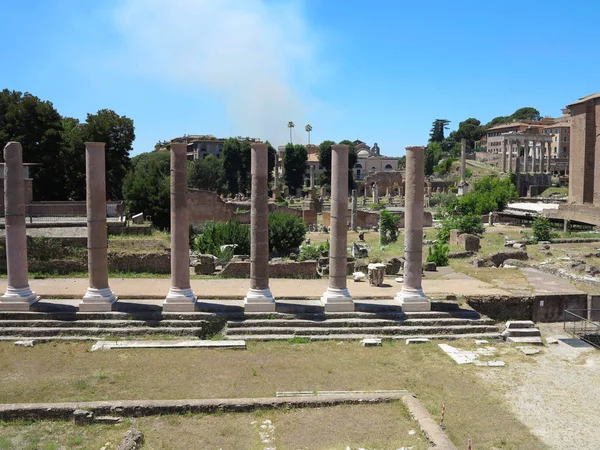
(204, 264)
(284, 269)
(478, 262)
(500, 257)
(82, 417)
(360, 250)
(133, 440)
(393, 266)
(138, 218)
(470, 242)
(372, 342)
(514, 263)
(429, 267)
(25, 343)
(376, 273)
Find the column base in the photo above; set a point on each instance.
(97, 300)
(17, 299)
(337, 300)
(259, 300)
(180, 300)
(413, 300)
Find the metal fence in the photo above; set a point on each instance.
(66, 212)
(578, 323)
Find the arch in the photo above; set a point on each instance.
(358, 166)
(388, 167)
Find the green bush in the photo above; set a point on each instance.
(542, 229)
(312, 252)
(489, 194)
(286, 232)
(388, 230)
(442, 199)
(444, 166)
(470, 224)
(438, 254)
(215, 234)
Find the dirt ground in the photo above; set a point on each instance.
(556, 394)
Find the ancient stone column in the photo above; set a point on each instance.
(504, 145)
(411, 297)
(463, 186)
(525, 154)
(354, 216)
(312, 176)
(180, 297)
(510, 154)
(548, 155)
(98, 296)
(259, 297)
(375, 193)
(337, 298)
(18, 295)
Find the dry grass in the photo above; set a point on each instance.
(68, 371)
(366, 426)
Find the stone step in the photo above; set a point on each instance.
(339, 323)
(355, 337)
(135, 331)
(520, 324)
(531, 340)
(395, 330)
(100, 323)
(114, 315)
(522, 332)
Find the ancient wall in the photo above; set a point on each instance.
(385, 180)
(207, 206)
(284, 269)
(368, 219)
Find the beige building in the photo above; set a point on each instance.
(200, 146)
(561, 138)
(370, 161)
(494, 138)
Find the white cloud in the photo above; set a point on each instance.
(257, 56)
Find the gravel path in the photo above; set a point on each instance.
(557, 395)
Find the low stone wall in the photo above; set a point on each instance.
(538, 308)
(140, 262)
(309, 216)
(285, 269)
(368, 219)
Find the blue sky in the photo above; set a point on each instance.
(380, 71)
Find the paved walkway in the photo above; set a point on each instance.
(547, 284)
(149, 288)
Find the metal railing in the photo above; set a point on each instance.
(66, 212)
(579, 323)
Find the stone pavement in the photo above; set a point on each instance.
(547, 284)
(157, 288)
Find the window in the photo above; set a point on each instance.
(388, 167)
(565, 139)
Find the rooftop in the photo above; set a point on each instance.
(586, 98)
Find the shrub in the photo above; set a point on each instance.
(215, 234)
(388, 231)
(542, 229)
(286, 232)
(464, 224)
(312, 252)
(442, 199)
(438, 254)
(489, 194)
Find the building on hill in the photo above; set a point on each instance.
(584, 163)
(370, 161)
(200, 146)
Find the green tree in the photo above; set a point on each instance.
(73, 157)
(286, 232)
(245, 167)
(231, 164)
(489, 194)
(388, 228)
(272, 155)
(437, 130)
(146, 187)
(402, 162)
(324, 156)
(290, 126)
(118, 134)
(433, 154)
(38, 127)
(471, 130)
(207, 174)
(294, 165)
(542, 229)
(526, 113)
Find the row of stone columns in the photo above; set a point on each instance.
(543, 161)
(180, 297)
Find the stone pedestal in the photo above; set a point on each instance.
(376, 273)
(180, 297)
(18, 295)
(259, 297)
(337, 298)
(411, 297)
(98, 297)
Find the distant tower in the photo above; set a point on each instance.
(375, 149)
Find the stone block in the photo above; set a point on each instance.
(478, 262)
(376, 272)
(429, 267)
(360, 250)
(138, 218)
(416, 341)
(454, 234)
(498, 258)
(372, 342)
(133, 440)
(82, 417)
(393, 266)
(470, 242)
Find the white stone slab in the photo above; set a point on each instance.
(416, 341)
(481, 342)
(530, 350)
(460, 356)
(496, 364)
(108, 345)
(370, 342)
(328, 393)
(25, 343)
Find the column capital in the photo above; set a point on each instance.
(415, 148)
